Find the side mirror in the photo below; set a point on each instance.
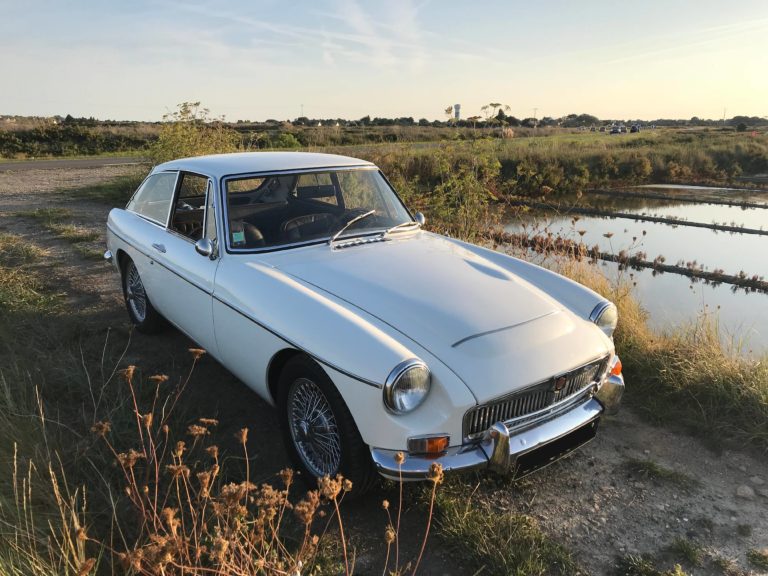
(419, 217)
(205, 247)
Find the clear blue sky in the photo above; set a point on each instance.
(259, 59)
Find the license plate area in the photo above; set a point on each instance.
(553, 451)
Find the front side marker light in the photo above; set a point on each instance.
(432, 444)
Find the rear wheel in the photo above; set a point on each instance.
(140, 310)
(318, 429)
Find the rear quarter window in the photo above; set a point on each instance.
(153, 198)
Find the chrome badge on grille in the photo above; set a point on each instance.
(560, 383)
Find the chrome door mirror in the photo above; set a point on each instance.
(419, 217)
(205, 247)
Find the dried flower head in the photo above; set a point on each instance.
(178, 452)
(436, 472)
(197, 431)
(166, 429)
(177, 470)
(205, 482)
(306, 508)
(399, 458)
(347, 485)
(158, 378)
(242, 436)
(128, 459)
(208, 421)
(330, 487)
(286, 475)
(147, 420)
(213, 451)
(385, 504)
(389, 535)
(197, 353)
(81, 535)
(128, 373)
(101, 429)
(86, 567)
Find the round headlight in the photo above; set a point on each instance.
(606, 316)
(407, 386)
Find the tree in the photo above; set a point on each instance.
(741, 127)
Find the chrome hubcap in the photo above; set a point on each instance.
(313, 428)
(135, 293)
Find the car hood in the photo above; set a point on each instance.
(475, 316)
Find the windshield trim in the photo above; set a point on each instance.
(354, 234)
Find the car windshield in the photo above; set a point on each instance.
(273, 211)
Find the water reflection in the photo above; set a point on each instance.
(671, 299)
(729, 251)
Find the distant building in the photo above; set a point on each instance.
(457, 111)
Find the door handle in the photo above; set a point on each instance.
(159, 247)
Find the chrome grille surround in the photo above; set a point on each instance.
(534, 402)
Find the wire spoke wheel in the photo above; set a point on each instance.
(313, 428)
(135, 293)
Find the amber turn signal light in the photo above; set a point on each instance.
(428, 444)
(616, 368)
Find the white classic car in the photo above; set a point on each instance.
(306, 276)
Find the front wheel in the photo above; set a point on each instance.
(319, 430)
(140, 310)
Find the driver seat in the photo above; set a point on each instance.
(307, 226)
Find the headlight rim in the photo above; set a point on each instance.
(395, 375)
(599, 311)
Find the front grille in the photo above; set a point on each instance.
(531, 400)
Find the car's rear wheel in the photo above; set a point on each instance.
(318, 429)
(140, 310)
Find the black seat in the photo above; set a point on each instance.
(307, 226)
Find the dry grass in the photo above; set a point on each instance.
(686, 377)
(497, 543)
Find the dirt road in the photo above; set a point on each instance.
(68, 163)
(636, 490)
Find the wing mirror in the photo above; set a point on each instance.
(206, 248)
(419, 217)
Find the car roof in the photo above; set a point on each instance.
(218, 165)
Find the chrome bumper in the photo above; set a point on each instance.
(519, 451)
(499, 450)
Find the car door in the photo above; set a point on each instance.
(186, 277)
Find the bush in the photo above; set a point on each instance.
(189, 131)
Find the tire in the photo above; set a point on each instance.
(140, 310)
(318, 430)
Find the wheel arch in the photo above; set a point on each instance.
(275, 368)
(122, 258)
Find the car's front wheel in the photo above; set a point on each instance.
(319, 430)
(140, 310)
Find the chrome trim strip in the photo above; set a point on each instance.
(480, 334)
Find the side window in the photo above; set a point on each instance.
(318, 187)
(210, 214)
(153, 199)
(189, 212)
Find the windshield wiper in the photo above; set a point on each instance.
(409, 224)
(348, 224)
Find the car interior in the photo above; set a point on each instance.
(284, 209)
